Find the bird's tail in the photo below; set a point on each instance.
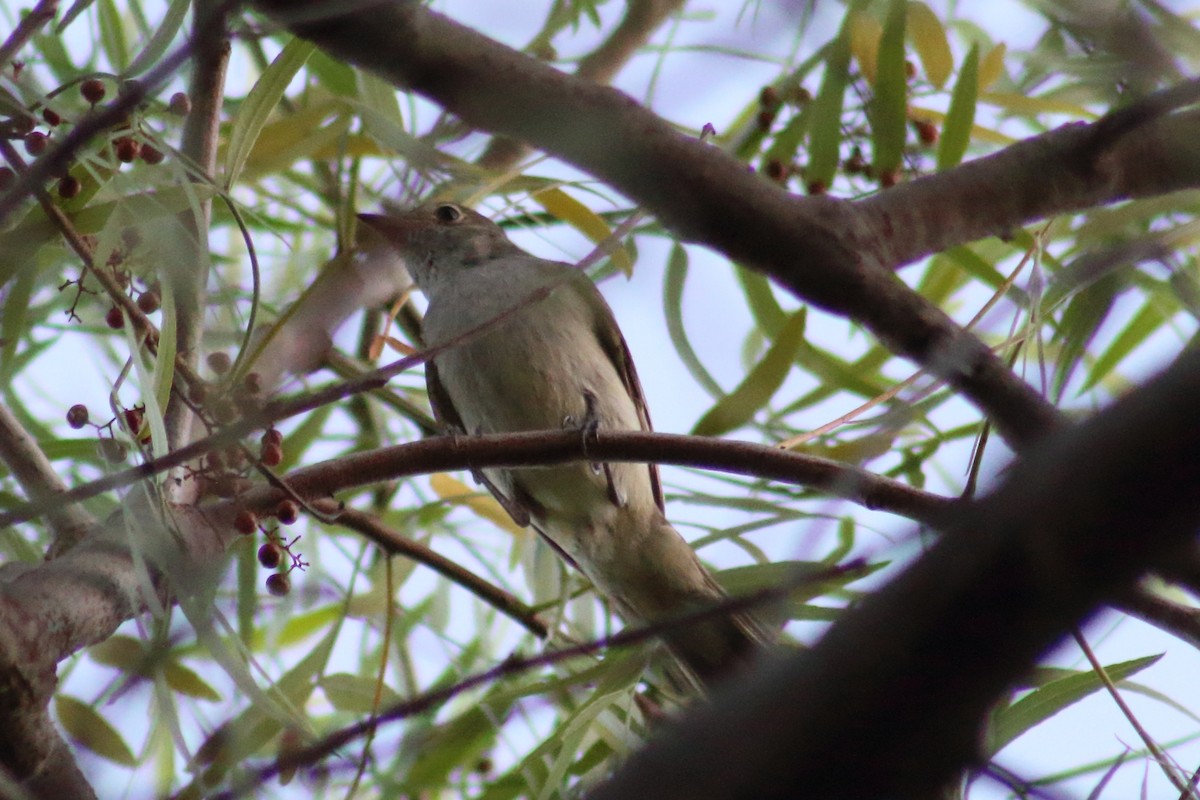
(663, 583)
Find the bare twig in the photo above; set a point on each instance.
(38, 16)
(396, 544)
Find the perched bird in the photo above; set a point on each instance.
(558, 360)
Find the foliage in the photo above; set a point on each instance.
(889, 92)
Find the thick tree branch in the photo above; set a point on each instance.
(890, 702)
(206, 90)
(36, 475)
(642, 18)
(822, 249)
(1069, 169)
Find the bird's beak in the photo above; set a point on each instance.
(393, 229)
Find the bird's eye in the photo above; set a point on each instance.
(448, 213)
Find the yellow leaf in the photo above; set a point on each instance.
(865, 33)
(929, 38)
(484, 505)
(1023, 104)
(566, 208)
(991, 66)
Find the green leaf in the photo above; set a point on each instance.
(260, 102)
(960, 119)
(185, 681)
(84, 724)
(112, 35)
(12, 318)
(756, 390)
(763, 305)
(162, 37)
(356, 693)
(1143, 325)
(676, 276)
(1051, 698)
(889, 106)
(825, 134)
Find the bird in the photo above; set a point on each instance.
(557, 359)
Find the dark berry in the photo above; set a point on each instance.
(92, 90)
(133, 419)
(127, 149)
(219, 362)
(287, 512)
(271, 455)
(68, 187)
(36, 142)
(114, 319)
(7, 178)
(77, 416)
(278, 584)
(51, 117)
(245, 523)
(151, 154)
(272, 436)
(148, 302)
(180, 104)
(270, 555)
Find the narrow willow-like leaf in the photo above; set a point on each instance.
(88, 727)
(1046, 701)
(260, 102)
(889, 106)
(825, 134)
(956, 133)
(676, 276)
(929, 38)
(757, 388)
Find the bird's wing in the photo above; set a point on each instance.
(615, 347)
(444, 410)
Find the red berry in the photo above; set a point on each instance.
(114, 319)
(51, 117)
(148, 302)
(68, 187)
(287, 512)
(927, 132)
(133, 419)
(77, 416)
(270, 555)
(219, 362)
(272, 436)
(92, 90)
(278, 584)
(245, 523)
(271, 455)
(126, 149)
(36, 142)
(151, 154)
(180, 104)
